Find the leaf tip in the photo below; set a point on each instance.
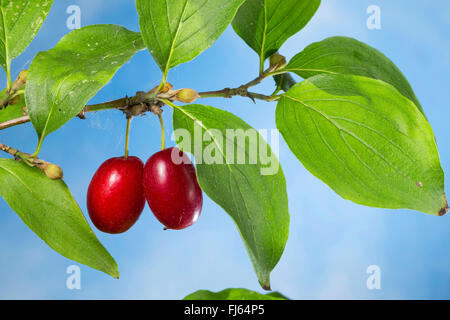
(444, 209)
(267, 287)
(264, 281)
(115, 272)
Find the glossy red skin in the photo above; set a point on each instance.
(115, 197)
(172, 190)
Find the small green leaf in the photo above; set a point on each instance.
(250, 188)
(62, 80)
(350, 56)
(20, 21)
(365, 140)
(234, 294)
(12, 111)
(266, 24)
(177, 31)
(47, 207)
(284, 81)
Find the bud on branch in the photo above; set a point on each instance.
(277, 62)
(12, 95)
(186, 95)
(19, 82)
(52, 171)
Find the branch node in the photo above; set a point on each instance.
(82, 114)
(251, 97)
(156, 109)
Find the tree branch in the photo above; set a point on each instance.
(14, 122)
(151, 101)
(136, 105)
(51, 170)
(13, 152)
(243, 89)
(229, 93)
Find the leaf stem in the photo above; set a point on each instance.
(162, 84)
(170, 104)
(261, 65)
(38, 148)
(8, 75)
(18, 93)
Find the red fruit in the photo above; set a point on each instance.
(115, 197)
(172, 190)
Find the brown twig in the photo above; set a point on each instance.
(136, 105)
(243, 89)
(229, 93)
(13, 152)
(51, 170)
(14, 122)
(151, 101)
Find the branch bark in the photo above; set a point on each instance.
(151, 101)
(13, 152)
(243, 89)
(138, 104)
(51, 170)
(14, 122)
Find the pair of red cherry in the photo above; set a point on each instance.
(117, 192)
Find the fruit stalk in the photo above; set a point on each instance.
(163, 133)
(127, 136)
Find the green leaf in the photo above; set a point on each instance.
(234, 294)
(47, 207)
(266, 24)
(62, 80)
(12, 111)
(365, 140)
(20, 21)
(350, 56)
(250, 188)
(177, 31)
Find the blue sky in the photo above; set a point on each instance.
(332, 241)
